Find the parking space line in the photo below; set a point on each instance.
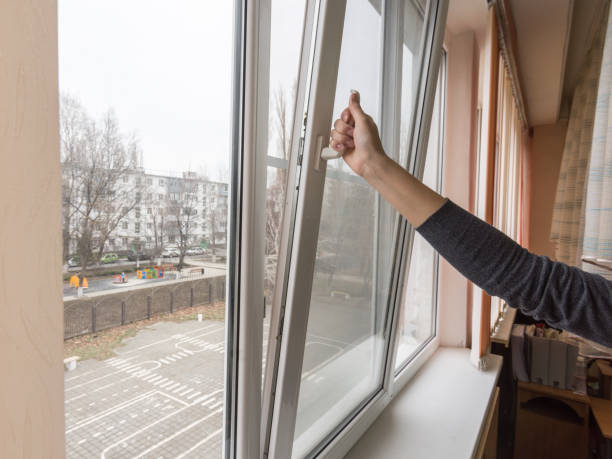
(198, 444)
(174, 435)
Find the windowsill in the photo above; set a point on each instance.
(439, 414)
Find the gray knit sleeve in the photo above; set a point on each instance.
(563, 296)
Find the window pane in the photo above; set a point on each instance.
(144, 133)
(419, 302)
(343, 359)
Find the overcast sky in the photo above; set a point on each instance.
(164, 67)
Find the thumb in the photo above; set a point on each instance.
(355, 106)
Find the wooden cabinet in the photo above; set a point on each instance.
(550, 423)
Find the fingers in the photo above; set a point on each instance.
(343, 128)
(355, 106)
(347, 117)
(341, 139)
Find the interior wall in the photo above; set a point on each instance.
(460, 99)
(31, 338)
(545, 160)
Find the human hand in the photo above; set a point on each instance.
(356, 137)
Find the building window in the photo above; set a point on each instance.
(124, 225)
(149, 181)
(149, 225)
(138, 196)
(124, 241)
(149, 211)
(137, 227)
(161, 182)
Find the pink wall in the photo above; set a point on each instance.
(461, 98)
(546, 153)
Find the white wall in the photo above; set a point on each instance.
(31, 324)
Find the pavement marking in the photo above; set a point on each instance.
(215, 405)
(174, 386)
(198, 444)
(111, 410)
(81, 375)
(164, 361)
(175, 434)
(155, 343)
(75, 398)
(178, 400)
(94, 380)
(179, 388)
(133, 434)
(195, 394)
(185, 392)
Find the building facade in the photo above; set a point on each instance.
(150, 211)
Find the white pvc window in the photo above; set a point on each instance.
(343, 251)
(417, 322)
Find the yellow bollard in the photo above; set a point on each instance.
(85, 284)
(74, 281)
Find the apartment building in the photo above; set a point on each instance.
(144, 210)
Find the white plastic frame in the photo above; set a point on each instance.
(245, 297)
(301, 225)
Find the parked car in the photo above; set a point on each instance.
(194, 251)
(109, 258)
(133, 255)
(75, 261)
(170, 253)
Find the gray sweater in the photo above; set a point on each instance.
(564, 296)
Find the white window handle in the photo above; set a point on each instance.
(328, 153)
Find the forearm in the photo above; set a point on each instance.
(411, 198)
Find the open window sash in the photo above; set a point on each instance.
(298, 266)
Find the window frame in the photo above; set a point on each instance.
(403, 373)
(245, 229)
(281, 389)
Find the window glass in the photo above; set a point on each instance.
(344, 350)
(144, 124)
(419, 299)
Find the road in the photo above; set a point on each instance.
(106, 283)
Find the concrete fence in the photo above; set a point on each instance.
(92, 314)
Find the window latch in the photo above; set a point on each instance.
(323, 152)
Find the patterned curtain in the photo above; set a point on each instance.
(568, 212)
(598, 204)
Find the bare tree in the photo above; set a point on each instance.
(281, 124)
(181, 213)
(215, 219)
(97, 162)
